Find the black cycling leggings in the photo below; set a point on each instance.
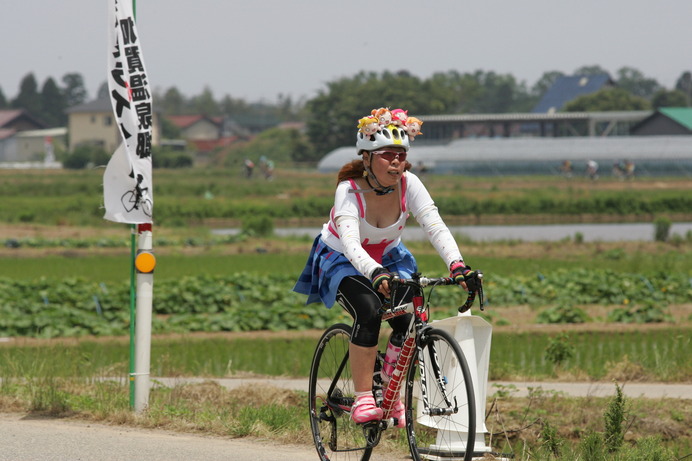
(363, 303)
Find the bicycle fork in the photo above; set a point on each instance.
(440, 381)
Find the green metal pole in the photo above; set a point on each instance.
(132, 315)
(133, 299)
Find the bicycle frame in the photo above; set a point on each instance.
(416, 331)
(391, 392)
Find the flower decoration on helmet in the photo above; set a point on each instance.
(398, 132)
(368, 125)
(413, 126)
(399, 117)
(383, 115)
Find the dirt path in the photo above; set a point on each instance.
(516, 388)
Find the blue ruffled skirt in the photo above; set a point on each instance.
(326, 268)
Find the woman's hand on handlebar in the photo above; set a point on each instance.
(464, 276)
(380, 280)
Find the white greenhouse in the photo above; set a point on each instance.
(652, 155)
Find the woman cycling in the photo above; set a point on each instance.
(359, 249)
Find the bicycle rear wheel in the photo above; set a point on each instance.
(448, 430)
(331, 395)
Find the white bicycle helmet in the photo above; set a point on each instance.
(390, 135)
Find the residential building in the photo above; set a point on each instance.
(93, 123)
(13, 122)
(666, 121)
(569, 87)
(197, 127)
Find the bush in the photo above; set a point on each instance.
(551, 440)
(649, 313)
(662, 229)
(578, 238)
(261, 226)
(170, 158)
(562, 314)
(85, 156)
(615, 417)
(559, 350)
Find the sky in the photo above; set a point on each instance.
(259, 49)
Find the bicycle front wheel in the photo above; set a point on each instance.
(331, 395)
(440, 402)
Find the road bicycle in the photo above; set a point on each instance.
(438, 387)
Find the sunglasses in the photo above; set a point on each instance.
(389, 155)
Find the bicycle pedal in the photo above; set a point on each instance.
(370, 425)
(325, 417)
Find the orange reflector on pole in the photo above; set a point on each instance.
(145, 262)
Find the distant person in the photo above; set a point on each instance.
(592, 170)
(629, 169)
(249, 167)
(566, 169)
(267, 168)
(618, 170)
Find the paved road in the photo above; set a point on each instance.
(24, 438)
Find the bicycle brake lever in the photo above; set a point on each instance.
(481, 295)
(472, 295)
(469, 302)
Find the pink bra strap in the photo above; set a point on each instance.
(403, 193)
(361, 205)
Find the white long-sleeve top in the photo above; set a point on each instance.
(364, 244)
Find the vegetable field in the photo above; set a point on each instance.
(250, 302)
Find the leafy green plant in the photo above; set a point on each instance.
(550, 439)
(592, 447)
(615, 416)
(559, 350)
(562, 314)
(578, 238)
(262, 226)
(85, 155)
(662, 229)
(648, 313)
(648, 449)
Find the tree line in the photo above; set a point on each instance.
(331, 115)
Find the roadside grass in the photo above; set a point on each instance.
(85, 379)
(545, 425)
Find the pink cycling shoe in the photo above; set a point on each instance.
(399, 412)
(365, 410)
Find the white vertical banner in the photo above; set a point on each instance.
(127, 182)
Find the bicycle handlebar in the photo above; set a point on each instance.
(421, 282)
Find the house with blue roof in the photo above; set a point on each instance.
(568, 88)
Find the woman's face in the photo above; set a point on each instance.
(386, 166)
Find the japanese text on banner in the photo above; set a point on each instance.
(127, 182)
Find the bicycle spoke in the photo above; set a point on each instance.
(331, 394)
(443, 426)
